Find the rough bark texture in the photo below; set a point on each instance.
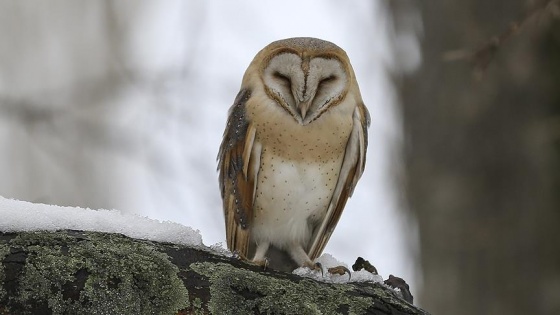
(74, 272)
(482, 120)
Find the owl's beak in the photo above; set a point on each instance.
(303, 108)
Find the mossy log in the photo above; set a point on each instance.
(76, 272)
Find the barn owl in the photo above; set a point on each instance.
(293, 150)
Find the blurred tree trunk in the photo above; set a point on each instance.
(482, 154)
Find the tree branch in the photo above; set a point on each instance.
(483, 56)
(90, 272)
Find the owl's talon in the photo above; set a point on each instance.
(340, 270)
(261, 263)
(320, 267)
(315, 266)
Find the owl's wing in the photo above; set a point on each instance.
(351, 171)
(237, 174)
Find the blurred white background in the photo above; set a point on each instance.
(122, 105)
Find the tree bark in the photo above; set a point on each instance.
(482, 153)
(75, 272)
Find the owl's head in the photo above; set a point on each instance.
(305, 76)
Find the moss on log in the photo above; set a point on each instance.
(75, 272)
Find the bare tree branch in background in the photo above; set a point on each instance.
(483, 56)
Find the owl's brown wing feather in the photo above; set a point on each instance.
(237, 175)
(352, 168)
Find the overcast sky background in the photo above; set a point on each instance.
(122, 105)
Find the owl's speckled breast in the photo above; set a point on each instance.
(298, 172)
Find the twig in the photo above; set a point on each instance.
(483, 56)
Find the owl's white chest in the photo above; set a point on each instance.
(298, 172)
(290, 196)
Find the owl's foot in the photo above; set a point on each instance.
(261, 263)
(340, 270)
(258, 262)
(314, 266)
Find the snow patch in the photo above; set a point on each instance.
(328, 261)
(365, 276)
(22, 216)
(219, 249)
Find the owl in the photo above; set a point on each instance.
(292, 152)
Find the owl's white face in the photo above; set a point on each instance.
(305, 87)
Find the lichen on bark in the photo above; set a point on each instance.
(113, 275)
(270, 295)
